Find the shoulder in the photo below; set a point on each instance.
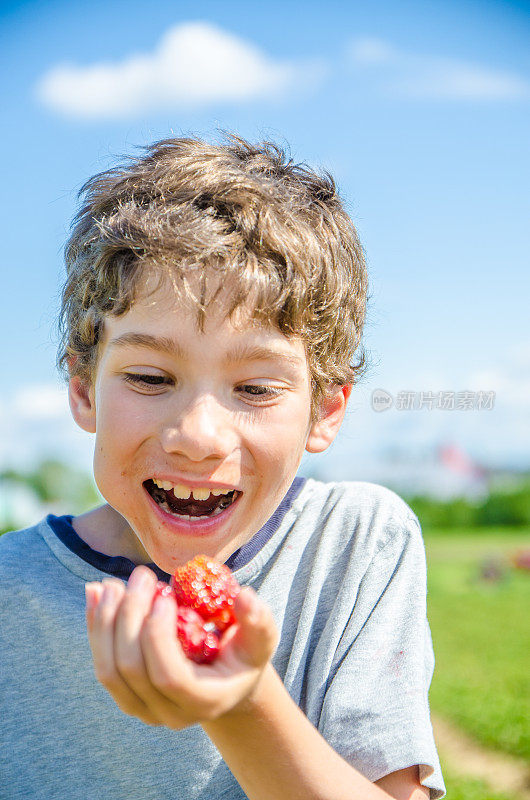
(20, 549)
(361, 498)
(373, 513)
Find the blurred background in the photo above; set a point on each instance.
(421, 112)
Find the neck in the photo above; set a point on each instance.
(106, 531)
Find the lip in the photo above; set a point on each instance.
(200, 527)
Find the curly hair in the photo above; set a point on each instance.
(276, 229)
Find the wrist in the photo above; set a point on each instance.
(255, 699)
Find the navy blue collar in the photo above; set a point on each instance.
(121, 567)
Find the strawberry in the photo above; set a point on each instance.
(199, 639)
(208, 587)
(163, 590)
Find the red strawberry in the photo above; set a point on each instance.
(163, 590)
(199, 642)
(199, 639)
(209, 588)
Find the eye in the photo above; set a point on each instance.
(258, 392)
(147, 381)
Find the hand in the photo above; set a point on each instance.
(139, 660)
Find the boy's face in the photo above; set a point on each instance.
(224, 410)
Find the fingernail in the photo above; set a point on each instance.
(139, 579)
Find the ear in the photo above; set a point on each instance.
(332, 410)
(82, 404)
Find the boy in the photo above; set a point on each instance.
(214, 302)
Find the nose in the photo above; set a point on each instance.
(202, 430)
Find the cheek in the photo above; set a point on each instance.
(121, 417)
(280, 449)
(118, 430)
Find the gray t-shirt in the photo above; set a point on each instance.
(344, 574)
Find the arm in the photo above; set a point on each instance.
(274, 752)
(290, 757)
(404, 784)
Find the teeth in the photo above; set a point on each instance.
(188, 517)
(184, 493)
(180, 491)
(200, 494)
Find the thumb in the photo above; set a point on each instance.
(257, 635)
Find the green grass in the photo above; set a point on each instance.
(459, 788)
(481, 636)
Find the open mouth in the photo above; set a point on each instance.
(190, 508)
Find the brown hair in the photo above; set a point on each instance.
(276, 229)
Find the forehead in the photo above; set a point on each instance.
(164, 317)
(202, 294)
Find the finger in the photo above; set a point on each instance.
(170, 672)
(130, 662)
(257, 636)
(101, 633)
(134, 608)
(101, 639)
(93, 592)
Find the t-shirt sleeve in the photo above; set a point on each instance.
(375, 712)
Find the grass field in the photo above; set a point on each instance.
(481, 636)
(467, 789)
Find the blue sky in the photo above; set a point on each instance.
(419, 109)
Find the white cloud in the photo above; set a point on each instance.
(445, 79)
(368, 50)
(510, 380)
(519, 356)
(427, 77)
(36, 423)
(40, 402)
(511, 389)
(194, 64)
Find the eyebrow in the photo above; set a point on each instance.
(238, 355)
